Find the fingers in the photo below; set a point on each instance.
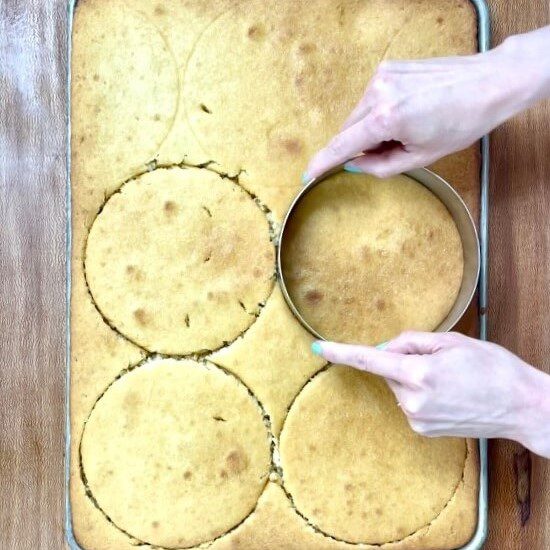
(417, 343)
(385, 164)
(382, 363)
(367, 133)
(425, 343)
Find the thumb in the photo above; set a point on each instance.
(385, 163)
(418, 343)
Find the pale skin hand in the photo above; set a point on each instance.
(415, 112)
(452, 385)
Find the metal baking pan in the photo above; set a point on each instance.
(480, 534)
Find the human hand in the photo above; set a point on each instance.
(449, 384)
(415, 112)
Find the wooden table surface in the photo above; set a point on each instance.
(32, 279)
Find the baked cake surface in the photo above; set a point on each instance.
(199, 417)
(365, 258)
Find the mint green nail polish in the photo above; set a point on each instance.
(316, 348)
(382, 346)
(352, 168)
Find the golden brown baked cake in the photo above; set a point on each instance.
(176, 452)
(366, 258)
(192, 269)
(199, 416)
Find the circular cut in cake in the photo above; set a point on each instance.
(353, 466)
(176, 453)
(180, 260)
(124, 92)
(274, 98)
(366, 258)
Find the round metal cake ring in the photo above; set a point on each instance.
(464, 223)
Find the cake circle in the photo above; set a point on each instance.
(176, 452)
(355, 469)
(366, 258)
(180, 260)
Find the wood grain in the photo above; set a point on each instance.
(32, 278)
(519, 300)
(32, 272)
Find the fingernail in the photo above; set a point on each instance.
(305, 178)
(382, 346)
(316, 348)
(352, 168)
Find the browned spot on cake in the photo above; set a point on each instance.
(380, 304)
(209, 295)
(378, 511)
(306, 47)
(96, 77)
(140, 316)
(312, 448)
(254, 32)
(350, 512)
(223, 474)
(316, 511)
(82, 139)
(187, 474)
(131, 400)
(348, 487)
(364, 515)
(159, 10)
(257, 272)
(236, 462)
(293, 146)
(134, 273)
(409, 249)
(170, 207)
(314, 296)
(155, 524)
